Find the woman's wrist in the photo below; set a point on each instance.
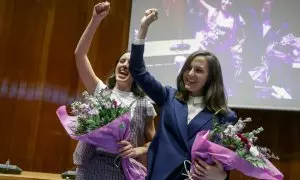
(96, 20)
(140, 151)
(142, 32)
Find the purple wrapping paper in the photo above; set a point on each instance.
(107, 138)
(230, 160)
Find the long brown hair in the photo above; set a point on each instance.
(214, 97)
(111, 81)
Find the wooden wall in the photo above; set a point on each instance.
(37, 74)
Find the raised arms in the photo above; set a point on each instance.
(85, 70)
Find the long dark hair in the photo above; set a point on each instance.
(111, 81)
(214, 96)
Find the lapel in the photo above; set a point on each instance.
(199, 122)
(181, 112)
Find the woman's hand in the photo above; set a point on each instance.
(150, 16)
(128, 151)
(101, 10)
(205, 171)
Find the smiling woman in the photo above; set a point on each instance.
(121, 78)
(195, 76)
(96, 162)
(184, 111)
(122, 68)
(201, 75)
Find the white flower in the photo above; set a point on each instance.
(259, 130)
(240, 126)
(252, 139)
(85, 93)
(254, 151)
(92, 102)
(228, 130)
(93, 112)
(247, 120)
(106, 105)
(236, 138)
(84, 106)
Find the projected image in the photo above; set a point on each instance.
(257, 43)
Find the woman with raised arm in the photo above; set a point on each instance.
(94, 162)
(184, 111)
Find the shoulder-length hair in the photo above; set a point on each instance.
(214, 96)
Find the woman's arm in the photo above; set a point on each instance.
(129, 151)
(207, 6)
(149, 134)
(154, 89)
(149, 131)
(85, 70)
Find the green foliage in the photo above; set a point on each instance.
(231, 136)
(96, 111)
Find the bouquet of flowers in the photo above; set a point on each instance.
(235, 149)
(100, 121)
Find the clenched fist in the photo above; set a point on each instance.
(151, 15)
(101, 10)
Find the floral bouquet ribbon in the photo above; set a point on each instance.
(106, 137)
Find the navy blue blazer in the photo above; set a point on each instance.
(174, 137)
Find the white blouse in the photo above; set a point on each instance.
(194, 107)
(125, 98)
